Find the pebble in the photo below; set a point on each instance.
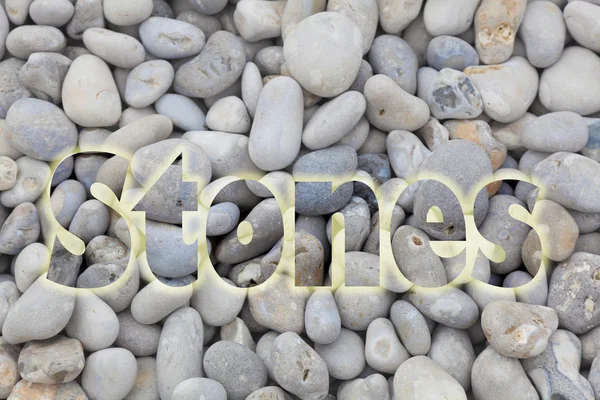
(192, 388)
(443, 17)
(31, 316)
(51, 361)
(518, 330)
(393, 57)
(557, 246)
(450, 52)
(555, 372)
(322, 318)
(146, 387)
(237, 368)
(109, 374)
(496, 377)
(507, 89)
(559, 182)
(258, 21)
(25, 40)
(25, 390)
(581, 20)
(207, 23)
(179, 354)
(140, 339)
(10, 294)
(363, 12)
(329, 69)
(334, 120)
(8, 173)
(387, 102)
(93, 322)
(40, 129)
(383, 350)
(422, 378)
(9, 355)
(570, 83)
(21, 228)
(30, 264)
(452, 350)
(54, 12)
(316, 198)
(298, 368)
(357, 223)
(91, 102)
(448, 306)
(182, 111)
(572, 292)
(557, 131)
(219, 64)
(345, 356)
(496, 25)
(453, 95)
(127, 14)
(543, 33)
(43, 74)
(229, 114)
(11, 89)
(411, 327)
(170, 38)
(118, 49)
(156, 301)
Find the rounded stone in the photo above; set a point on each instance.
(179, 355)
(40, 129)
(411, 327)
(298, 368)
(90, 95)
(8, 173)
(183, 111)
(118, 49)
(51, 361)
(581, 19)
(450, 52)
(333, 120)
(518, 330)
(573, 292)
(557, 131)
(449, 17)
(452, 95)
(383, 350)
(543, 33)
(344, 357)
(281, 107)
(140, 339)
(237, 368)
(109, 374)
(128, 13)
(452, 350)
(322, 318)
(387, 104)
(40, 313)
(195, 388)
(44, 74)
(363, 12)
(25, 40)
(51, 12)
(507, 89)
(421, 378)
(21, 228)
(11, 88)
(391, 56)
(330, 68)
(169, 38)
(229, 114)
(87, 14)
(219, 64)
(448, 306)
(394, 16)
(572, 83)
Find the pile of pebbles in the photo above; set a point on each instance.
(98, 94)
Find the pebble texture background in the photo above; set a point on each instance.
(160, 102)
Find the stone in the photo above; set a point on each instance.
(383, 350)
(392, 56)
(453, 95)
(193, 388)
(146, 387)
(127, 14)
(140, 339)
(581, 20)
(345, 356)
(25, 40)
(555, 372)
(448, 306)
(258, 21)
(329, 69)
(87, 14)
(168, 38)
(386, 105)
(179, 355)
(228, 114)
(496, 25)
(298, 368)
(518, 330)
(450, 52)
(543, 33)
(118, 49)
(557, 131)
(21, 228)
(411, 327)
(507, 89)
(452, 350)
(422, 378)
(219, 64)
(44, 73)
(570, 83)
(322, 318)
(52, 361)
(11, 88)
(443, 17)
(109, 374)
(363, 12)
(90, 95)
(237, 368)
